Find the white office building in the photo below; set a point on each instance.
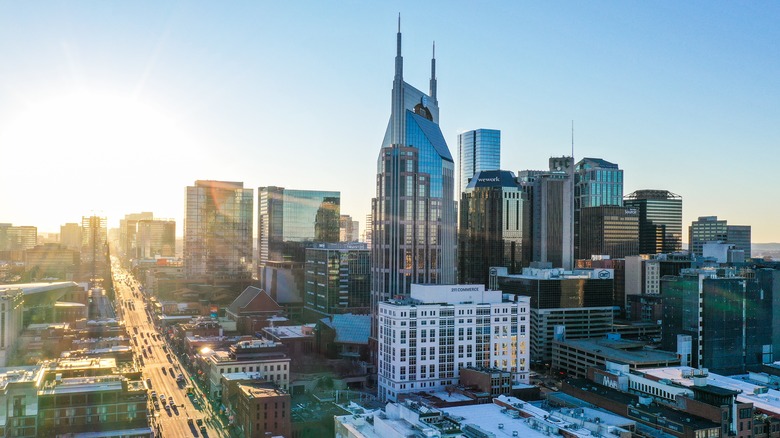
(425, 340)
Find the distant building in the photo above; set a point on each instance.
(218, 231)
(94, 238)
(494, 226)
(660, 220)
(155, 237)
(597, 182)
(478, 150)
(70, 236)
(11, 312)
(337, 279)
(711, 229)
(425, 340)
(609, 230)
(127, 231)
(17, 238)
(550, 195)
(349, 230)
(51, 261)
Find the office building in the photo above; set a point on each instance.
(218, 231)
(576, 303)
(724, 315)
(94, 237)
(17, 238)
(597, 182)
(660, 220)
(414, 214)
(154, 238)
(11, 311)
(478, 150)
(609, 230)
(127, 230)
(426, 339)
(550, 196)
(261, 410)
(337, 279)
(494, 226)
(70, 236)
(51, 260)
(349, 230)
(367, 231)
(288, 222)
(711, 229)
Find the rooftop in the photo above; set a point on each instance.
(622, 350)
(291, 331)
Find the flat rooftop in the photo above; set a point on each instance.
(763, 398)
(622, 350)
(291, 331)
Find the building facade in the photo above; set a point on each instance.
(725, 316)
(660, 220)
(70, 236)
(494, 226)
(337, 279)
(597, 182)
(414, 214)
(154, 237)
(609, 230)
(288, 222)
(425, 340)
(709, 229)
(575, 304)
(127, 230)
(478, 150)
(218, 231)
(550, 196)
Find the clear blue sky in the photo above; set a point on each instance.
(115, 107)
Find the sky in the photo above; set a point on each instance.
(111, 107)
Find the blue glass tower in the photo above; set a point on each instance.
(478, 150)
(413, 227)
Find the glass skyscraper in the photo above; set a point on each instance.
(494, 227)
(478, 150)
(597, 182)
(660, 220)
(218, 231)
(413, 236)
(288, 222)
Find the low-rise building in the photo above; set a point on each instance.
(576, 356)
(256, 356)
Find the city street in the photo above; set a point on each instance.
(159, 368)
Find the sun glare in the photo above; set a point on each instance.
(84, 145)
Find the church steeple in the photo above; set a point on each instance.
(433, 75)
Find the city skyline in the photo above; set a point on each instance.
(677, 95)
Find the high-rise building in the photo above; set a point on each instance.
(154, 237)
(723, 314)
(414, 217)
(218, 231)
(288, 222)
(550, 196)
(127, 230)
(337, 279)
(597, 182)
(494, 226)
(426, 339)
(609, 230)
(660, 220)
(94, 237)
(478, 150)
(367, 230)
(70, 236)
(349, 230)
(710, 229)
(17, 238)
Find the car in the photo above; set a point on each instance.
(203, 430)
(149, 382)
(164, 371)
(170, 370)
(170, 401)
(162, 396)
(154, 393)
(200, 422)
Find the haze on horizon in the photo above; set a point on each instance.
(114, 108)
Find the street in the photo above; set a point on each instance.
(160, 368)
